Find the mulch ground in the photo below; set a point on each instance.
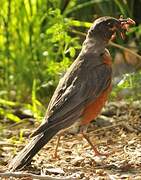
(117, 131)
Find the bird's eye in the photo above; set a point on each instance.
(110, 24)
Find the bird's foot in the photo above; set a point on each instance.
(98, 153)
(55, 156)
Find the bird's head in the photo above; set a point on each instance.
(105, 27)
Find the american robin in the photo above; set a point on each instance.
(82, 92)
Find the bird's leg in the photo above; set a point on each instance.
(96, 151)
(72, 130)
(57, 145)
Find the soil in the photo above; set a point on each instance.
(117, 132)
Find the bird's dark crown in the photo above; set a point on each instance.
(104, 27)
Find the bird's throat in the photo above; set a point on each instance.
(93, 45)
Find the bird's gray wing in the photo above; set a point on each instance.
(82, 84)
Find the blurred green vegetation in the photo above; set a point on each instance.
(39, 39)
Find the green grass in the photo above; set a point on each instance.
(39, 39)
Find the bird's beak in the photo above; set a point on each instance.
(124, 26)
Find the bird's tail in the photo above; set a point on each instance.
(27, 153)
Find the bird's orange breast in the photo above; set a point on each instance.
(93, 109)
(107, 58)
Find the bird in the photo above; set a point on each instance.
(81, 93)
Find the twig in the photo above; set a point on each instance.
(128, 127)
(33, 176)
(111, 43)
(125, 49)
(118, 123)
(7, 144)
